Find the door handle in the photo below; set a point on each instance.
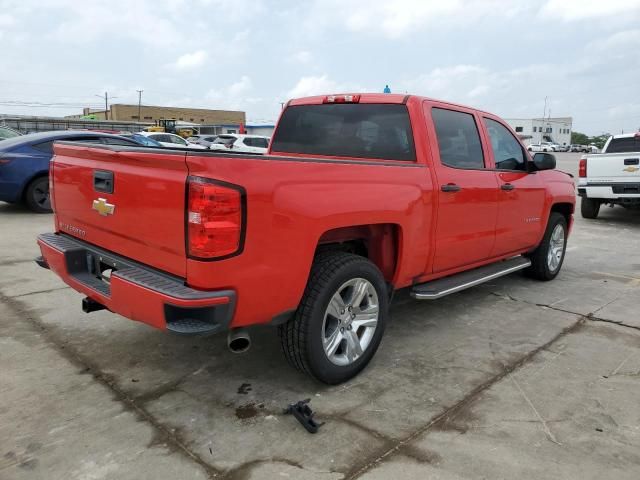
(103, 181)
(450, 187)
(507, 186)
(631, 161)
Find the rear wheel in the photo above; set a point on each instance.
(589, 207)
(37, 195)
(340, 321)
(546, 260)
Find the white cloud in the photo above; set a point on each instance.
(625, 41)
(190, 61)
(6, 20)
(399, 18)
(241, 86)
(302, 56)
(313, 85)
(572, 10)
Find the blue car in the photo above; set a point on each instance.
(24, 164)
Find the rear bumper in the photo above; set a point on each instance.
(610, 190)
(136, 291)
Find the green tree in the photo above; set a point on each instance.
(579, 138)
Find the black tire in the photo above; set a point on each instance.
(540, 268)
(301, 337)
(37, 197)
(589, 207)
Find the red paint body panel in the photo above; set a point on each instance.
(293, 203)
(148, 194)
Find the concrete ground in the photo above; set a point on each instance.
(513, 379)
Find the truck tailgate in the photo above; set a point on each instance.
(127, 202)
(614, 167)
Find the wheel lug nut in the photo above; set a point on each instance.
(342, 311)
(342, 330)
(349, 327)
(353, 315)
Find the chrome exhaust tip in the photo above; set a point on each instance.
(239, 340)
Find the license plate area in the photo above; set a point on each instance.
(101, 267)
(93, 269)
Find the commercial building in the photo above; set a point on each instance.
(536, 130)
(129, 113)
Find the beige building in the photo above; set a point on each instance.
(129, 113)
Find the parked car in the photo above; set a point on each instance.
(540, 147)
(171, 140)
(7, 132)
(580, 148)
(359, 195)
(143, 140)
(241, 143)
(205, 140)
(24, 164)
(611, 177)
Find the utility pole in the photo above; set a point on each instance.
(106, 104)
(544, 114)
(139, 103)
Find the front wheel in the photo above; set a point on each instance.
(589, 207)
(37, 195)
(546, 260)
(341, 318)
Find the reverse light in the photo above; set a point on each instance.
(582, 168)
(341, 99)
(215, 219)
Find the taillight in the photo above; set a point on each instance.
(51, 195)
(341, 99)
(215, 218)
(582, 169)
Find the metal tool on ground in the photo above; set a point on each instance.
(303, 413)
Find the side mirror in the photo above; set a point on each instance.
(544, 161)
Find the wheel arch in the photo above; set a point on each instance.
(380, 243)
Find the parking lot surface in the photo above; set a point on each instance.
(512, 379)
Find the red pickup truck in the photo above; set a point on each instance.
(358, 196)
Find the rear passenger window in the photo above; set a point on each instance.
(46, 147)
(458, 139)
(507, 152)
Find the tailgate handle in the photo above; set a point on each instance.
(631, 161)
(103, 181)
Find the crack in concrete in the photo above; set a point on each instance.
(11, 263)
(39, 291)
(589, 316)
(170, 437)
(452, 411)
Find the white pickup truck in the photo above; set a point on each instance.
(611, 177)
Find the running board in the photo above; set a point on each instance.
(460, 281)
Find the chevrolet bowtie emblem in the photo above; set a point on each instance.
(630, 169)
(103, 207)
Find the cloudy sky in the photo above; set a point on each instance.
(504, 56)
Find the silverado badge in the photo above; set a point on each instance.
(630, 169)
(103, 207)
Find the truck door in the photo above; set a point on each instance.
(521, 194)
(468, 190)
